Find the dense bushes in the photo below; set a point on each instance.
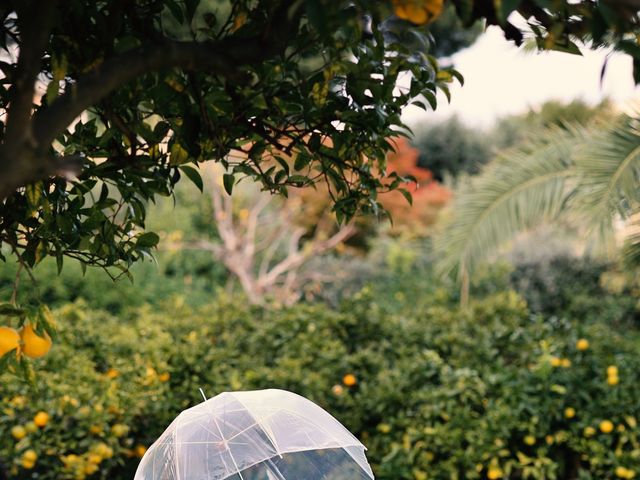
(489, 392)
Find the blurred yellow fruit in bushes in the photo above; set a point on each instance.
(31, 427)
(349, 380)
(556, 362)
(613, 380)
(612, 371)
(530, 440)
(119, 430)
(622, 472)
(164, 377)
(565, 362)
(33, 345)
(112, 373)
(494, 473)
(569, 412)
(18, 432)
(140, 450)
(30, 455)
(589, 431)
(94, 458)
(582, 344)
(606, 426)
(419, 12)
(95, 429)
(9, 340)
(102, 449)
(337, 390)
(41, 419)
(90, 468)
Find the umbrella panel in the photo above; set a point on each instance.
(326, 464)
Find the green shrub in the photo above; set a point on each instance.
(440, 393)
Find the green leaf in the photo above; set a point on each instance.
(193, 175)
(11, 310)
(147, 240)
(228, 181)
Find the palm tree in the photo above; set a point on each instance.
(586, 173)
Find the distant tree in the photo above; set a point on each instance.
(259, 239)
(450, 148)
(513, 129)
(427, 195)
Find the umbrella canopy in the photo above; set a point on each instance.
(256, 435)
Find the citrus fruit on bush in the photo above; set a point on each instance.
(41, 419)
(9, 340)
(419, 12)
(34, 345)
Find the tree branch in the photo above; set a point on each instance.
(222, 57)
(34, 20)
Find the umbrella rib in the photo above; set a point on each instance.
(226, 445)
(272, 440)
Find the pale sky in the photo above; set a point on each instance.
(501, 79)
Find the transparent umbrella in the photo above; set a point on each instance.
(255, 435)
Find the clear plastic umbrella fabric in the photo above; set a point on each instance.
(255, 435)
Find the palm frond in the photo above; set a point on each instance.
(609, 169)
(521, 188)
(631, 247)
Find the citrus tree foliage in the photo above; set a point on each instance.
(130, 95)
(109, 104)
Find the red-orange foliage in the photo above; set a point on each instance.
(429, 196)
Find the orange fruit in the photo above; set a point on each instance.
(419, 12)
(349, 380)
(9, 340)
(34, 346)
(140, 450)
(41, 419)
(606, 426)
(582, 344)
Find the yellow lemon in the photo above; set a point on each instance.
(612, 371)
(569, 412)
(556, 362)
(530, 440)
(606, 426)
(94, 458)
(582, 344)
(384, 428)
(164, 377)
(30, 456)
(565, 362)
(9, 340)
(90, 468)
(18, 432)
(95, 429)
(119, 430)
(494, 473)
(622, 472)
(31, 427)
(589, 431)
(33, 345)
(613, 380)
